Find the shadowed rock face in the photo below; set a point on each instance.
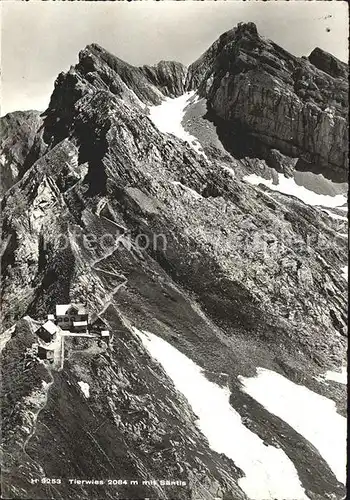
(247, 277)
(268, 98)
(328, 63)
(168, 76)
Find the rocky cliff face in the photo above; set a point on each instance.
(19, 131)
(328, 63)
(233, 276)
(168, 76)
(262, 97)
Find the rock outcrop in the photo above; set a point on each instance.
(17, 150)
(328, 63)
(168, 76)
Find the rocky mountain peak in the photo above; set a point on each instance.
(96, 52)
(247, 28)
(328, 63)
(258, 89)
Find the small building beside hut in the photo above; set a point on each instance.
(45, 353)
(99, 327)
(47, 332)
(105, 335)
(97, 324)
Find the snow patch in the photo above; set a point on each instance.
(345, 272)
(269, 473)
(85, 388)
(168, 116)
(287, 185)
(340, 377)
(334, 216)
(315, 417)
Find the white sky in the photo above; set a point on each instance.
(41, 39)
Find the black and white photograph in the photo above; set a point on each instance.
(174, 250)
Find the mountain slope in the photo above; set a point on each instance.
(233, 276)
